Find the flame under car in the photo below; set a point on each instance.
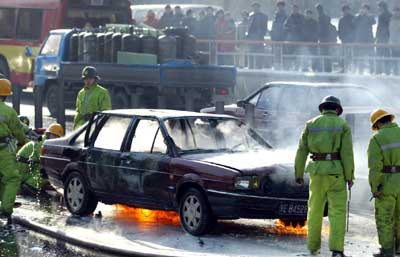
(204, 166)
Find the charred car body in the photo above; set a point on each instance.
(204, 166)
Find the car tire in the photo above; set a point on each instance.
(294, 222)
(77, 196)
(51, 99)
(195, 213)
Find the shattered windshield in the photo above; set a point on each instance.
(207, 134)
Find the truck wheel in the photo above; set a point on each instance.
(51, 100)
(78, 199)
(195, 214)
(4, 68)
(120, 99)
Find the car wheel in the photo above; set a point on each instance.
(78, 199)
(195, 214)
(294, 222)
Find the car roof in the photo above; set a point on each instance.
(164, 113)
(312, 84)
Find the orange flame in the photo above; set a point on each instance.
(283, 229)
(147, 216)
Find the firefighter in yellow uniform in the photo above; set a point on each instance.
(91, 98)
(384, 179)
(32, 180)
(328, 138)
(11, 130)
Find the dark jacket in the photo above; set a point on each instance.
(382, 32)
(324, 28)
(258, 26)
(294, 27)
(177, 20)
(206, 27)
(278, 32)
(346, 29)
(191, 23)
(310, 30)
(363, 31)
(166, 20)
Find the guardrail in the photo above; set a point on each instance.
(304, 56)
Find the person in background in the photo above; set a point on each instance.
(241, 31)
(310, 35)
(225, 31)
(167, 18)
(151, 19)
(294, 28)
(206, 30)
(394, 39)
(257, 30)
(278, 32)
(190, 22)
(363, 23)
(382, 37)
(346, 34)
(178, 17)
(325, 35)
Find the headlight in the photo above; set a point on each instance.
(248, 182)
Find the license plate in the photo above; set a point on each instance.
(293, 209)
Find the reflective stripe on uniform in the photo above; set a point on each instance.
(390, 146)
(329, 129)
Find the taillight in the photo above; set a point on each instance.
(222, 91)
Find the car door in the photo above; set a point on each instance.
(143, 169)
(104, 154)
(266, 111)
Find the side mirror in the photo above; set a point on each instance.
(28, 51)
(241, 103)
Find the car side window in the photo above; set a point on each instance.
(269, 98)
(112, 133)
(148, 138)
(294, 99)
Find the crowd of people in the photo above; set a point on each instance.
(310, 27)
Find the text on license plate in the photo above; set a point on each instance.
(292, 209)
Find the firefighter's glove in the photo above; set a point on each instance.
(299, 181)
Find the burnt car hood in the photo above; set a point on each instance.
(248, 163)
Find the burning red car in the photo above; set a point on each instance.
(204, 166)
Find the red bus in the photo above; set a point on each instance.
(26, 23)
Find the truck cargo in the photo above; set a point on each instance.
(138, 67)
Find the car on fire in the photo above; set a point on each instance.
(204, 166)
(282, 108)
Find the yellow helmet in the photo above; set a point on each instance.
(55, 129)
(379, 114)
(5, 87)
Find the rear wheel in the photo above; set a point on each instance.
(78, 199)
(195, 213)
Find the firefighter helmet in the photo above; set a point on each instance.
(5, 87)
(55, 129)
(377, 115)
(331, 100)
(89, 72)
